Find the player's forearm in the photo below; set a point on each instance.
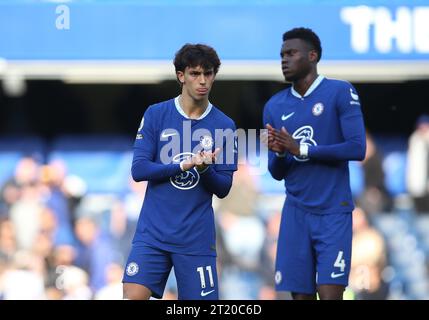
(349, 150)
(146, 170)
(353, 147)
(216, 182)
(277, 166)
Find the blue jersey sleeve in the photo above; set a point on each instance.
(277, 166)
(352, 128)
(144, 167)
(217, 182)
(217, 178)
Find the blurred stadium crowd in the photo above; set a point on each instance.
(69, 208)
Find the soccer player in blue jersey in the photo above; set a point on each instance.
(185, 149)
(314, 128)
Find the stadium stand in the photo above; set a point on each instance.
(103, 163)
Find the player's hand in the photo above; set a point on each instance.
(270, 141)
(285, 141)
(201, 160)
(206, 158)
(188, 163)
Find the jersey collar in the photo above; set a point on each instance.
(313, 87)
(180, 110)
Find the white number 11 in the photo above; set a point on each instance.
(200, 270)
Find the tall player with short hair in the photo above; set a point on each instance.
(175, 151)
(314, 128)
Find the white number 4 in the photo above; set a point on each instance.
(339, 262)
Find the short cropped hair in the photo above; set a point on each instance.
(308, 35)
(194, 55)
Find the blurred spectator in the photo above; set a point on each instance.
(7, 239)
(74, 282)
(418, 165)
(26, 173)
(43, 244)
(24, 279)
(134, 199)
(113, 289)
(94, 251)
(53, 176)
(170, 292)
(243, 197)
(25, 215)
(268, 259)
(124, 217)
(244, 250)
(121, 231)
(375, 197)
(60, 257)
(368, 260)
(75, 252)
(242, 270)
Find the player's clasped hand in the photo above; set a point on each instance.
(281, 141)
(205, 158)
(201, 160)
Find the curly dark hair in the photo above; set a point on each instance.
(193, 55)
(308, 35)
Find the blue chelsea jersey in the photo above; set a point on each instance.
(177, 213)
(328, 120)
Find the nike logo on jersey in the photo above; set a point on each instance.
(166, 135)
(285, 117)
(336, 275)
(203, 294)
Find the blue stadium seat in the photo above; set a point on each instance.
(394, 166)
(391, 143)
(393, 149)
(269, 185)
(266, 183)
(404, 232)
(105, 142)
(422, 228)
(357, 178)
(390, 224)
(103, 162)
(8, 161)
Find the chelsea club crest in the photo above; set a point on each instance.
(318, 109)
(206, 142)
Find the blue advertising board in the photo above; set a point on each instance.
(239, 30)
